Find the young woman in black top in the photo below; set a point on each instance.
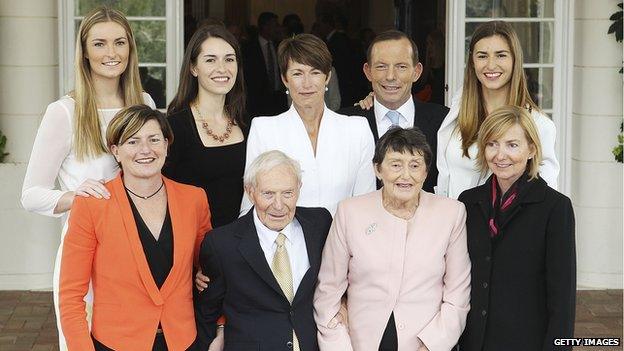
(206, 116)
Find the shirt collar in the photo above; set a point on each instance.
(268, 236)
(407, 109)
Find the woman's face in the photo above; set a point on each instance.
(215, 67)
(402, 174)
(107, 49)
(305, 84)
(507, 156)
(143, 154)
(493, 62)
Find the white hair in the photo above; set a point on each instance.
(268, 160)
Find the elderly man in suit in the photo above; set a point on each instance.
(263, 267)
(392, 67)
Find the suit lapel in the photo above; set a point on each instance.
(313, 247)
(119, 194)
(250, 249)
(370, 117)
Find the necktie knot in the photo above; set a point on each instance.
(280, 240)
(393, 116)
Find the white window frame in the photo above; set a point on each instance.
(562, 72)
(174, 49)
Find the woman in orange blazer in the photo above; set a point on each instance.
(138, 248)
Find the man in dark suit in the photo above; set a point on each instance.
(263, 267)
(266, 95)
(392, 67)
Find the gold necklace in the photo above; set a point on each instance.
(220, 138)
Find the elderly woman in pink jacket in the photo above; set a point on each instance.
(399, 255)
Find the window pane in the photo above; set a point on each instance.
(150, 38)
(128, 7)
(510, 8)
(536, 39)
(540, 84)
(154, 83)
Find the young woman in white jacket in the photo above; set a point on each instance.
(494, 77)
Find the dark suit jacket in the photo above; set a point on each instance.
(243, 288)
(345, 63)
(427, 117)
(262, 100)
(524, 287)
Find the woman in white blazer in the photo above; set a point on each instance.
(494, 77)
(335, 151)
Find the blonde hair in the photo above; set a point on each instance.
(499, 122)
(87, 137)
(472, 109)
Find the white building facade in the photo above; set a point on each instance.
(572, 59)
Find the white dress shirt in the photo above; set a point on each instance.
(342, 166)
(458, 173)
(295, 246)
(406, 120)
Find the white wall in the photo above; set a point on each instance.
(28, 82)
(596, 116)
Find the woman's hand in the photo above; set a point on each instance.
(218, 342)
(91, 187)
(88, 188)
(201, 281)
(367, 102)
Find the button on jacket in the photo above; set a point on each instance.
(417, 269)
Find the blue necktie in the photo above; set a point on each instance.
(393, 116)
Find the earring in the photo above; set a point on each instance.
(287, 92)
(326, 88)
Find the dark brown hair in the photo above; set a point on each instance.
(306, 49)
(392, 35)
(187, 90)
(403, 140)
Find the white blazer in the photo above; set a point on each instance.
(342, 166)
(457, 173)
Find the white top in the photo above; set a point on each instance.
(458, 173)
(53, 157)
(342, 167)
(295, 246)
(406, 120)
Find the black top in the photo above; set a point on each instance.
(159, 253)
(218, 170)
(523, 288)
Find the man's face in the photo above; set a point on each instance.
(392, 72)
(275, 196)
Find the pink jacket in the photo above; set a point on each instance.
(419, 269)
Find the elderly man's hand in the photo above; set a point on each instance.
(367, 102)
(201, 281)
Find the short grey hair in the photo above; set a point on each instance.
(268, 160)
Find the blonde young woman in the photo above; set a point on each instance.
(493, 78)
(69, 145)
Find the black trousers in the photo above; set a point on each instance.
(159, 344)
(389, 340)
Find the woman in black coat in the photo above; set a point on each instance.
(521, 244)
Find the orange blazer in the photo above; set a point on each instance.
(102, 245)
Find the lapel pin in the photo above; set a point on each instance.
(371, 228)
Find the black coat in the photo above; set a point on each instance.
(243, 288)
(262, 99)
(524, 288)
(427, 117)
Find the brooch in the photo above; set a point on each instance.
(371, 228)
